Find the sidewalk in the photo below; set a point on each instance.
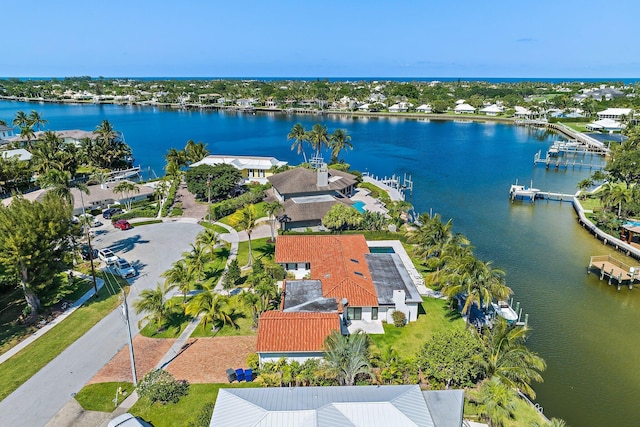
(54, 322)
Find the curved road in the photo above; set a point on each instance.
(151, 249)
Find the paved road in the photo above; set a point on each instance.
(151, 249)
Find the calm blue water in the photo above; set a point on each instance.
(585, 330)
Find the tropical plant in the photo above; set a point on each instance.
(197, 258)
(181, 276)
(300, 137)
(509, 359)
(160, 386)
(209, 239)
(339, 141)
(342, 217)
(497, 402)
(319, 138)
(272, 209)
(347, 356)
(214, 308)
(126, 189)
(245, 220)
(156, 304)
(194, 152)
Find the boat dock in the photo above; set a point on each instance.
(560, 162)
(614, 269)
(394, 186)
(529, 194)
(119, 175)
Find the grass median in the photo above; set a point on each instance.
(18, 369)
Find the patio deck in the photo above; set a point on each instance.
(614, 269)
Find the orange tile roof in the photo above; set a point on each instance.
(337, 261)
(294, 331)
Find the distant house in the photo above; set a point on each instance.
(608, 125)
(424, 108)
(401, 107)
(615, 113)
(21, 154)
(464, 109)
(492, 110)
(376, 405)
(103, 196)
(307, 195)
(522, 112)
(363, 107)
(253, 169)
(72, 136)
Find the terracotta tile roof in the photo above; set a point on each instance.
(337, 261)
(294, 331)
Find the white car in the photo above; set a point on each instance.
(127, 420)
(107, 256)
(124, 269)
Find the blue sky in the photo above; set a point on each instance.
(466, 38)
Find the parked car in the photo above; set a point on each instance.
(122, 224)
(108, 213)
(124, 269)
(127, 420)
(107, 256)
(90, 220)
(85, 253)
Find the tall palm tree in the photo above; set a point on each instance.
(319, 138)
(213, 308)
(126, 189)
(347, 356)
(36, 120)
(210, 239)
(180, 275)
(251, 301)
(155, 304)
(272, 209)
(338, 142)
(245, 220)
(300, 137)
(509, 360)
(197, 258)
(194, 152)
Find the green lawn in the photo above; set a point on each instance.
(218, 229)
(244, 324)
(577, 126)
(410, 338)
(261, 249)
(260, 213)
(591, 204)
(187, 409)
(12, 303)
(101, 396)
(22, 366)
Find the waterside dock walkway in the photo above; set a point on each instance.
(615, 270)
(395, 194)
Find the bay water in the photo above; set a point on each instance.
(588, 332)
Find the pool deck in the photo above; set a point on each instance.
(371, 204)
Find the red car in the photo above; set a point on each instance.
(122, 224)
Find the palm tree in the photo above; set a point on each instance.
(180, 275)
(338, 142)
(347, 356)
(509, 360)
(127, 189)
(57, 182)
(612, 194)
(213, 308)
(197, 258)
(300, 137)
(477, 280)
(497, 401)
(109, 148)
(35, 120)
(319, 138)
(194, 152)
(245, 219)
(155, 304)
(272, 209)
(251, 301)
(210, 239)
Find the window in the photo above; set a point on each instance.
(374, 313)
(307, 266)
(354, 313)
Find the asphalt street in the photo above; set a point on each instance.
(150, 249)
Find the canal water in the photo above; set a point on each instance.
(588, 332)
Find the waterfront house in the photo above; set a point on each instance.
(307, 195)
(424, 108)
(607, 125)
(492, 110)
(380, 405)
(522, 112)
(464, 109)
(252, 168)
(615, 113)
(5, 133)
(71, 136)
(401, 107)
(364, 107)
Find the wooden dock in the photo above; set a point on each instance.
(561, 162)
(614, 270)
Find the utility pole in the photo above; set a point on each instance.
(86, 228)
(125, 312)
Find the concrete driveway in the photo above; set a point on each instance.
(151, 249)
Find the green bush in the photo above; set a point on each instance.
(160, 386)
(398, 318)
(229, 206)
(253, 361)
(203, 419)
(171, 197)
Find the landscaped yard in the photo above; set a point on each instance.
(187, 409)
(261, 249)
(410, 338)
(22, 366)
(100, 396)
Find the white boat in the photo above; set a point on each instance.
(504, 310)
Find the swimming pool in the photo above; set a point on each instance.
(633, 223)
(382, 250)
(359, 205)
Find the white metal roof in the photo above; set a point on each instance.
(21, 153)
(328, 406)
(241, 162)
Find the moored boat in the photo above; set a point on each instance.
(504, 310)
